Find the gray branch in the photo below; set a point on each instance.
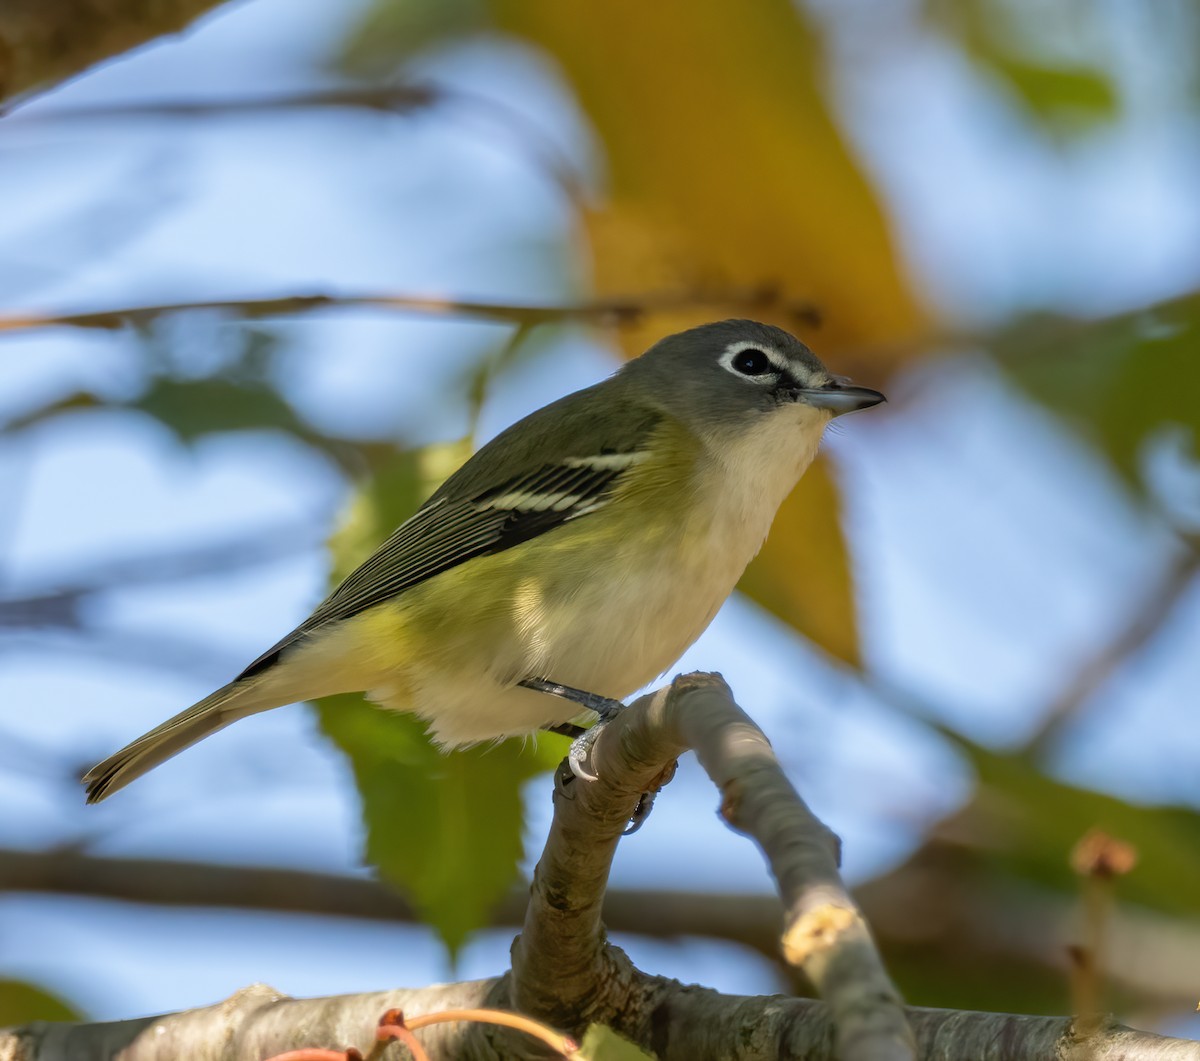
(686, 1024)
(565, 973)
(559, 959)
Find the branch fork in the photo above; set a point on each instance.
(566, 975)
(560, 958)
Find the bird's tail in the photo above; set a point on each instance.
(228, 704)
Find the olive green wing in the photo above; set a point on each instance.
(473, 514)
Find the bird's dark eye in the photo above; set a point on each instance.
(752, 362)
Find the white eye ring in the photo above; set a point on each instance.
(768, 377)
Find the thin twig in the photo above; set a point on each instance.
(262, 546)
(1151, 954)
(1151, 615)
(392, 1027)
(1098, 859)
(503, 1018)
(745, 918)
(610, 310)
(391, 100)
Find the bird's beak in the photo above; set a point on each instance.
(840, 399)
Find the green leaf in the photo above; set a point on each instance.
(601, 1043)
(445, 829)
(194, 408)
(394, 30)
(1065, 95)
(238, 394)
(1120, 382)
(21, 1003)
(979, 915)
(1065, 99)
(523, 344)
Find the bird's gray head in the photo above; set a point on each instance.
(734, 372)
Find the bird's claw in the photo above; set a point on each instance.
(584, 741)
(581, 751)
(641, 812)
(581, 747)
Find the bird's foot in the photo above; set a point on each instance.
(645, 803)
(582, 740)
(581, 751)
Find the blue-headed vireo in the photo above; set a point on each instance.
(587, 545)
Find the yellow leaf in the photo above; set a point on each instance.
(725, 170)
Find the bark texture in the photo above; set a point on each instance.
(682, 1024)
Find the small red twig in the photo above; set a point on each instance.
(392, 1026)
(561, 1043)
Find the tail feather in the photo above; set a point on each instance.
(214, 712)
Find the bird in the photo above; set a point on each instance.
(578, 553)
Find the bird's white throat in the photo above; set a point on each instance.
(751, 473)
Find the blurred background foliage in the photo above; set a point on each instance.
(972, 631)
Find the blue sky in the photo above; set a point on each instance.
(959, 493)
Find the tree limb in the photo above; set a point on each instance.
(688, 1023)
(825, 934)
(44, 42)
(750, 919)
